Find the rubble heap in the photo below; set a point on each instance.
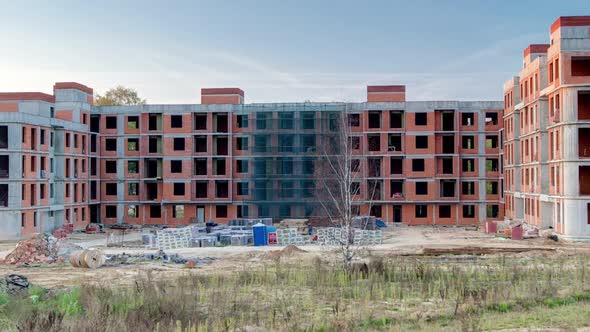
(40, 248)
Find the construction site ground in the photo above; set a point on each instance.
(398, 240)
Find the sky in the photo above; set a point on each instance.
(274, 50)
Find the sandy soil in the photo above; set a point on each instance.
(399, 240)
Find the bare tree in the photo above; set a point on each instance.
(341, 178)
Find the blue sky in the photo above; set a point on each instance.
(274, 50)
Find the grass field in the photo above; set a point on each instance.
(398, 294)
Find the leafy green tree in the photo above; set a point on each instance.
(119, 96)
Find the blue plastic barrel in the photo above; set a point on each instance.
(259, 234)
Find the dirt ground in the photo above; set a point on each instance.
(398, 240)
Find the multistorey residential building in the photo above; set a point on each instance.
(434, 162)
(547, 126)
(44, 160)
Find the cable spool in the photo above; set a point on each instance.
(87, 259)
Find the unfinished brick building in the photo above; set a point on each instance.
(426, 162)
(547, 126)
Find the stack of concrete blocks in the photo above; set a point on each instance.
(174, 238)
(367, 237)
(332, 236)
(291, 236)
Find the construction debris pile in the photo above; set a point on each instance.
(160, 256)
(41, 248)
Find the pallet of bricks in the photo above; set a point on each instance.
(291, 236)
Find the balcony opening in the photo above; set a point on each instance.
(374, 142)
(491, 142)
(201, 189)
(397, 188)
(154, 144)
(221, 189)
(221, 122)
(491, 165)
(448, 144)
(93, 190)
(467, 119)
(447, 165)
(580, 66)
(3, 137)
(221, 146)
(421, 188)
(374, 167)
(376, 211)
(583, 105)
(92, 143)
(421, 142)
(93, 168)
(584, 142)
(397, 165)
(396, 119)
(155, 122)
(374, 188)
(448, 121)
(219, 165)
(444, 211)
(200, 143)
(176, 121)
(153, 168)
(155, 211)
(375, 119)
(4, 195)
(468, 142)
(447, 188)
(417, 165)
(394, 142)
(584, 179)
(491, 118)
(151, 189)
(492, 187)
(200, 121)
(95, 123)
(200, 165)
(4, 167)
(468, 188)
